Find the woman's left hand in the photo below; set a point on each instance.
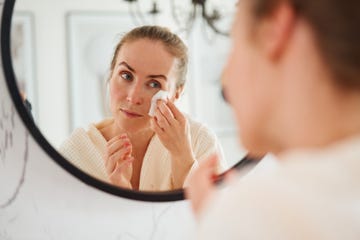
(172, 128)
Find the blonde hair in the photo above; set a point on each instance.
(173, 44)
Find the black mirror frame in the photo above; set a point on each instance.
(174, 195)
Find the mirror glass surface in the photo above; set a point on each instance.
(61, 53)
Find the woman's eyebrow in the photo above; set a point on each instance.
(127, 65)
(157, 76)
(149, 76)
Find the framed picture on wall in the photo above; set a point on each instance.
(207, 63)
(23, 55)
(91, 40)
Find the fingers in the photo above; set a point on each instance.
(201, 185)
(230, 176)
(118, 158)
(114, 139)
(209, 165)
(155, 127)
(118, 148)
(121, 154)
(116, 143)
(165, 116)
(121, 176)
(205, 171)
(166, 112)
(175, 111)
(120, 167)
(161, 120)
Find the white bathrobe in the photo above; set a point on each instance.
(85, 148)
(310, 194)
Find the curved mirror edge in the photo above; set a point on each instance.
(53, 153)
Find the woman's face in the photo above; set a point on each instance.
(248, 84)
(143, 67)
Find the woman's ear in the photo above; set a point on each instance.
(178, 92)
(276, 30)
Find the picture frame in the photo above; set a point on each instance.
(207, 61)
(23, 56)
(91, 39)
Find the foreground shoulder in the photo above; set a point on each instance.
(247, 211)
(272, 206)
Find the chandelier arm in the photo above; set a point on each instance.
(191, 20)
(133, 15)
(174, 14)
(139, 18)
(206, 33)
(139, 13)
(210, 22)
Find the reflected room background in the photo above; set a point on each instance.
(62, 51)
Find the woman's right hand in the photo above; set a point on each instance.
(118, 161)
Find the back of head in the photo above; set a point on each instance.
(335, 25)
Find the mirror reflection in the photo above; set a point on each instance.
(91, 74)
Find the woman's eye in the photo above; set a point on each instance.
(155, 84)
(126, 76)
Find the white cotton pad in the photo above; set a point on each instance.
(159, 95)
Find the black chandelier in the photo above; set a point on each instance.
(184, 19)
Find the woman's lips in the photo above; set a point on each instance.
(130, 114)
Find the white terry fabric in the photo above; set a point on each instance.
(85, 150)
(311, 194)
(161, 94)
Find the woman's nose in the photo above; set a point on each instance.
(135, 95)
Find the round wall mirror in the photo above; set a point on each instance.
(57, 59)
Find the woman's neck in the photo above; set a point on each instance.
(325, 122)
(139, 137)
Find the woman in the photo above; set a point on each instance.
(132, 149)
(293, 80)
